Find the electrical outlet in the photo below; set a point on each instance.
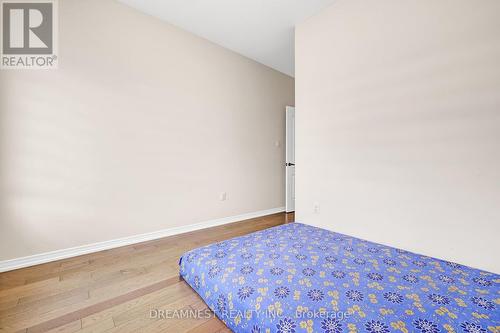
(223, 196)
(316, 208)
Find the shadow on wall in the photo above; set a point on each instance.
(35, 157)
(5, 227)
(37, 168)
(8, 225)
(3, 216)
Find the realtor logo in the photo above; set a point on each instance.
(28, 34)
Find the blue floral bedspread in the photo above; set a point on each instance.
(298, 278)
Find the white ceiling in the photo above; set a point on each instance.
(262, 30)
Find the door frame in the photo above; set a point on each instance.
(290, 159)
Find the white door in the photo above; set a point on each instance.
(290, 159)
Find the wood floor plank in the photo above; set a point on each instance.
(114, 290)
(142, 301)
(98, 327)
(224, 330)
(8, 304)
(213, 325)
(47, 304)
(70, 327)
(27, 289)
(142, 317)
(180, 295)
(174, 324)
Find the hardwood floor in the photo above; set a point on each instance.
(114, 290)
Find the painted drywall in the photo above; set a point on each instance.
(140, 129)
(398, 125)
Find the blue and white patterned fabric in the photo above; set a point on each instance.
(298, 278)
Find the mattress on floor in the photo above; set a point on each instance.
(298, 278)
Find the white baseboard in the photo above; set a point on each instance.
(8, 265)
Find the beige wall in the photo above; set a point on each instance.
(398, 125)
(140, 129)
